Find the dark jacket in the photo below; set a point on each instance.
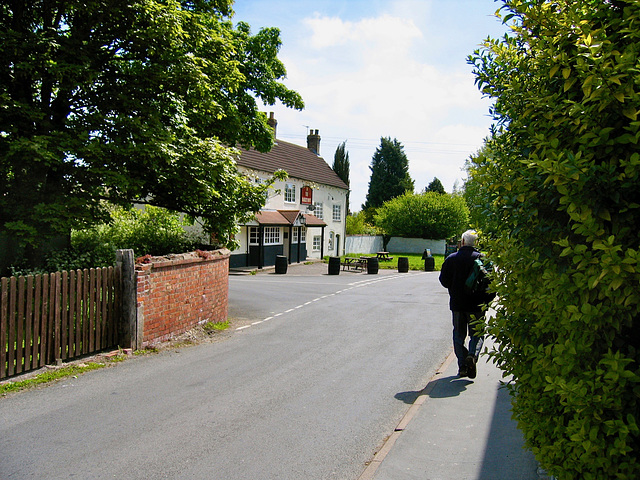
(454, 273)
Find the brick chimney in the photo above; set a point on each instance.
(273, 123)
(313, 141)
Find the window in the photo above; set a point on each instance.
(254, 235)
(258, 181)
(294, 235)
(331, 236)
(289, 193)
(303, 235)
(272, 235)
(337, 213)
(318, 210)
(316, 243)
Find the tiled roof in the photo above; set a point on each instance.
(286, 217)
(298, 162)
(271, 217)
(313, 221)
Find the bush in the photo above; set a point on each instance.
(153, 231)
(358, 225)
(426, 215)
(558, 182)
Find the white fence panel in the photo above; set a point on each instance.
(415, 245)
(363, 244)
(374, 243)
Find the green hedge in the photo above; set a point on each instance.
(557, 195)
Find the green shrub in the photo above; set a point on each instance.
(152, 231)
(426, 215)
(357, 225)
(557, 186)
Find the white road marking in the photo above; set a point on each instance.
(361, 283)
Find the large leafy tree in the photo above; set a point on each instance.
(430, 215)
(341, 165)
(557, 187)
(389, 173)
(119, 101)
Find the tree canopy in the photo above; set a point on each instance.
(557, 188)
(429, 215)
(120, 101)
(389, 173)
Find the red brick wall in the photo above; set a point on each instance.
(178, 292)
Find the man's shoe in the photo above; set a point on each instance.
(462, 372)
(471, 366)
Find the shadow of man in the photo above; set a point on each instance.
(445, 387)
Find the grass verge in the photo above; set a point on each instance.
(51, 376)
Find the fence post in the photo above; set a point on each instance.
(128, 329)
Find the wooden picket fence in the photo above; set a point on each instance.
(45, 319)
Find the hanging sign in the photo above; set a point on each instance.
(306, 196)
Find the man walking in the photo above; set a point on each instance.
(466, 307)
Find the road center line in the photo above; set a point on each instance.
(361, 283)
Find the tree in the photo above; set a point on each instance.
(435, 186)
(559, 179)
(389, 174)
(427, 215)
(357, 225)
(341, 166)
(122, 101)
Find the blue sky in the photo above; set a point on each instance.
(368, 69)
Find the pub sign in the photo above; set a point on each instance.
(306, 196)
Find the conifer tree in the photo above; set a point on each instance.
(341, 166)
(435, 186)
(389, 174)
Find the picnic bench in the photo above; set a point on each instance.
(384, 257)
(350, 263)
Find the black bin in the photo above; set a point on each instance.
(403, 264)
(281, 264)
(372, 265)
(334, 265)
(429, 264)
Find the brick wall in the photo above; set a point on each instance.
(177, 292)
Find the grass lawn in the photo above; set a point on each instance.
(415, 260)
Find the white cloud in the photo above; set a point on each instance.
(368, 75)
(369, 35)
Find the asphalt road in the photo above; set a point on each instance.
(317, 373)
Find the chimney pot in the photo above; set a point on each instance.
(313, 141)
(273, 123)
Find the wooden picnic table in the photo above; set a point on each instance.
(384, 256)
(354, 263)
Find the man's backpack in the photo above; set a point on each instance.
(478, 280)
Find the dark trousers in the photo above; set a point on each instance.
(462, 326)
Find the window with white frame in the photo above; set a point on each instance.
(317, 239)
(289, 193)
(303, 235)
(294, 235)
(272, 236)
(317, 211)
(337, 213)
(254, 235)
